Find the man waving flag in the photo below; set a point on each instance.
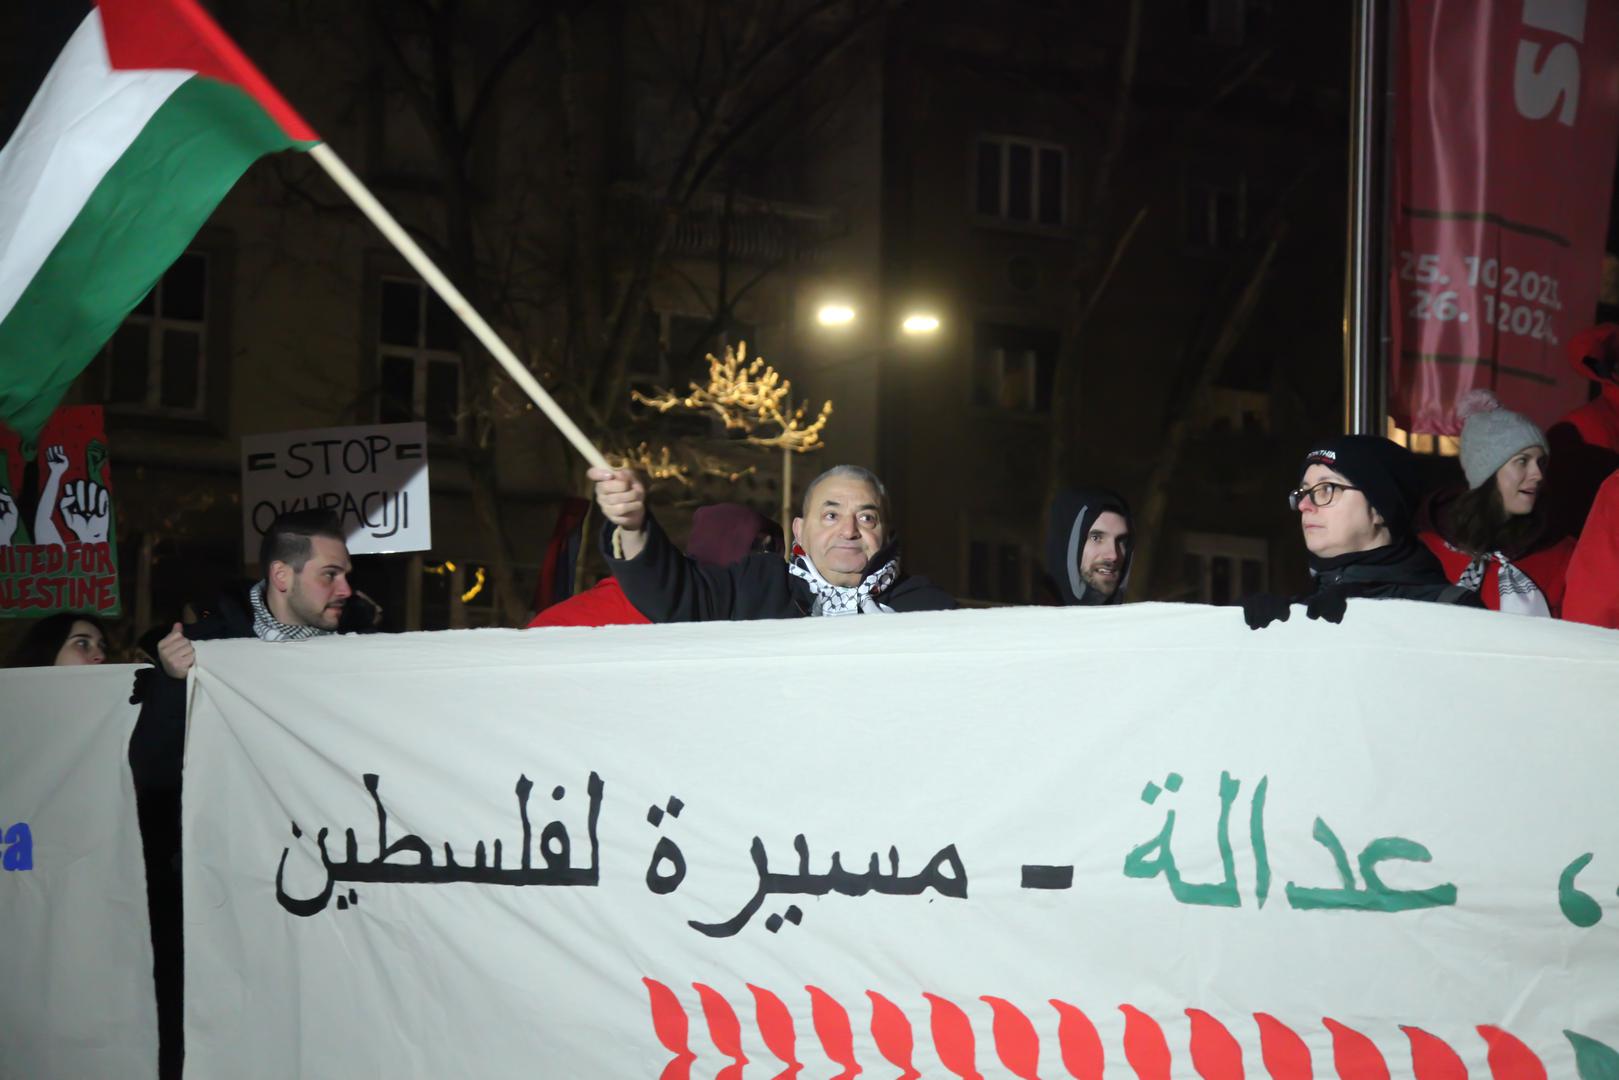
(146, 119)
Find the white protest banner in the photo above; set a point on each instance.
(76, 1001)
(373, 476)
(981, 843)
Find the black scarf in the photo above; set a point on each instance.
(1405, 561)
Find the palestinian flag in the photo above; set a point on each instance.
(135, 133)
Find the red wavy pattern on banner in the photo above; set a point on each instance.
(953, 1038)
(892, 1032)
(1017, 1044)
(1216, 1053)
(1145, 1047)
(776, 1026)
(672, 1028)
(1286, 1056)
(1509, 1058)
(723, 1028)
(1432, 1058)
(1081, 1046)
(1353, 1054)
(832, 1027)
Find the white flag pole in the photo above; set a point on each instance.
(395, 235)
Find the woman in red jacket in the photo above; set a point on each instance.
(1490, 536)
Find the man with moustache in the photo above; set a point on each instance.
(845, 560)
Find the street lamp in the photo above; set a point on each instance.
(920, 323)
(835, 315)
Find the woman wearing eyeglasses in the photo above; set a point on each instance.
(1354, 500)
(1490, 535)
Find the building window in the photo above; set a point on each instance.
(1013, 367)
(1216, 212)
(1021, 181)
(418, 359)
(1431, 445)
(157, 361)
(1223, 569)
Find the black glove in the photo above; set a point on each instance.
(1329, 604)
(1262, 609)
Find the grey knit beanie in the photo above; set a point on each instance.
(1491, 435)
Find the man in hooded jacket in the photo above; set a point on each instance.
(1089, 547)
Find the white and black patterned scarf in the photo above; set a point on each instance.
(833, 599)
(267, 627)
(1519, 595)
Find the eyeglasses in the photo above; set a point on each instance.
(1321, 494)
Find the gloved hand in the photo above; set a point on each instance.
(1329, 604)
(1262, 609)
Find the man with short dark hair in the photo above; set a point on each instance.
(845, 560)
(304, 589)
(1089, 546)
(304, 593)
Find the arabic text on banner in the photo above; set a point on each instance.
(976, 841)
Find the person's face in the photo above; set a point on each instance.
(844, 530)
(1520, 478)
(1348, 523)
(84, 645)
(316, 594)
(1101, 560)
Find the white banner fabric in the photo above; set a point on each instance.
(76, 1001)
(1002, 843)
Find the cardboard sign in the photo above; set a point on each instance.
(374, 477)
(58, 534)
(996, 842)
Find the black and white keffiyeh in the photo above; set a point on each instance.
(830, 599)
(267, 627)
(1519, 594)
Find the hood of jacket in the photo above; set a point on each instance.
(1072, 514)
(1594, 354)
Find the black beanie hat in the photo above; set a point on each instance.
(1385, 472)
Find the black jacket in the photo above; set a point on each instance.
(156, 749)
(666, 586)
(158, 743)
(1404, 570)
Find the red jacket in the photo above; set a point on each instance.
(603, 605)
(1593, 572)
(1545, 567)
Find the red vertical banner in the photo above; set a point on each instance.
(1507, 112)
(58, 535)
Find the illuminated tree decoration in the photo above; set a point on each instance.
(751, 397)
